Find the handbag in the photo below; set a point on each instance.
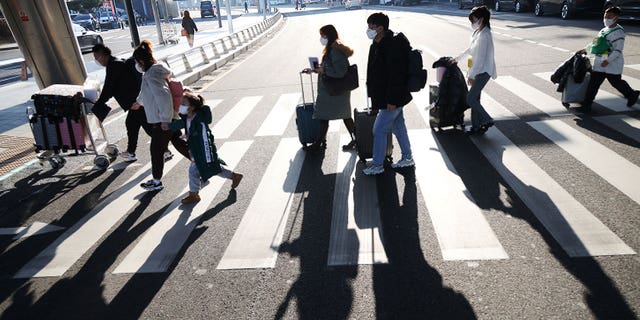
(338, 86)
(183, 32)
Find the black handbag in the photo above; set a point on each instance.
(338, 86)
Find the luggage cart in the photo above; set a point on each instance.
(63, 125)
(169, 32)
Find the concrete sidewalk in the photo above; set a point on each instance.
(16, 139)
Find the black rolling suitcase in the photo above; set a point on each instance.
(308, 128)
(364, 121)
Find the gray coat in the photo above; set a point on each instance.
(334, 65)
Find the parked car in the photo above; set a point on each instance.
(567, 8)
(86, 20)
(206, 9)
(86, 38)
(107, 19)
(515, 5)
(630, 8)
(473, 3)
(403, 3)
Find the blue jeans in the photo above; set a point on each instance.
(479, 116)
(388, 121)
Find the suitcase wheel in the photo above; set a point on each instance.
(112, 152)
(101, 162)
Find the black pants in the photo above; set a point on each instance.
(596, 80)
(135, 120)
(324, 128)
(159, 143)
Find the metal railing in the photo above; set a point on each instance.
(185, 63)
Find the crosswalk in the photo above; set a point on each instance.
(462, 230)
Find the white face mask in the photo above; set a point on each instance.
(608, 22)
(139, 68)
(475, 26)
(324, 41)
(183, 109)
(371, 33)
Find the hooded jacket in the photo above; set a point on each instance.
(155, 95)
(201, 142)
(387, 72)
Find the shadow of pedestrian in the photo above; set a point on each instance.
(601, 294)
(408, 287)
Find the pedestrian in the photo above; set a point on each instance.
(482, 67)
(608, 61)
(334, 64)
(156, 98)
(195, 118)
(297, 4)
(246, 7)
(190, 26)
(387, 87)
(123, 83)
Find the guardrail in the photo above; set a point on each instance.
(194, 63)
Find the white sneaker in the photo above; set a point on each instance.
(403, 163)
(373, 170)
(128, 157)
(152, 185)
(168, 156)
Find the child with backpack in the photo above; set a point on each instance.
(195, 117)
(608, 61)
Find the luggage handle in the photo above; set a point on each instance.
(302, 88)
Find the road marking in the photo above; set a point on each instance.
(533, 96)
(624, 124)
(461, 228)
(615, 169)
(163, 241)
(234, 118)
(604, 98)
(214, 103)
(633, 66)
(578, 232)
(278, 119)
(32, 230)
(60, 255)
(257, 239)
(355, 222)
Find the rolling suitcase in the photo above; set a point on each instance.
(308, 128)
(45, 133)
(72, 134)
(364, 121)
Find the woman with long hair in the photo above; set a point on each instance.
(156, 98)
(189, 25)
(482, 67)
(335, 62)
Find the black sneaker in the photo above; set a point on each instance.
(151, 185)
(349, 146)
(633, 99)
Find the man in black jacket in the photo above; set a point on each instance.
(122, 82)
(387, 87)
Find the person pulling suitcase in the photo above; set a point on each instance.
(387, 88)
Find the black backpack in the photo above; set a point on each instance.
(416, 74)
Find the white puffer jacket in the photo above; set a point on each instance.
(155, 95)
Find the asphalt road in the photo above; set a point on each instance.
(558, 198)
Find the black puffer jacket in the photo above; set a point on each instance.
(387, 72)
(577, 66)
(452, 92)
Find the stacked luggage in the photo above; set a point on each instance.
(60, 125)
(448, 97)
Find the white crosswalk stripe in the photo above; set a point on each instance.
(612, 167)
(569, 222)
(163, 241)
(355, 221)
(533, 96)
(257, 238)
(232, 120)
(58, 257)
(356, 236)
